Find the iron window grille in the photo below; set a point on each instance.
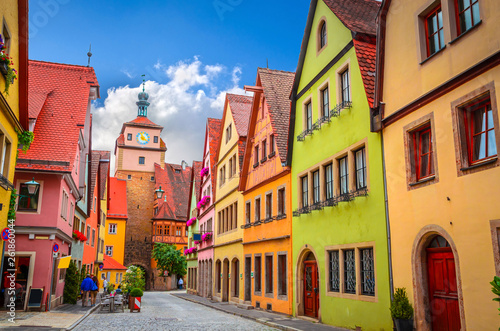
(334, 271)
(367, 272)
(335, 112)
(349, 271)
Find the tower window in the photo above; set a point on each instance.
(155, 139)
(142, 160)
(129, 137)
(129, 177)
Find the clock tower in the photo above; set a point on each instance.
(137, 150)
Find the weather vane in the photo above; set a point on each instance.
(89, 54)
(143, 82)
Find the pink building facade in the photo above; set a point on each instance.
(206, 215)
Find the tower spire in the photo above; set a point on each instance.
(143, 100)
(89, 54)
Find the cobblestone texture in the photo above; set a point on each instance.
(162, 311)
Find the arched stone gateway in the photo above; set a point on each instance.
(307, 284)
(437, 282)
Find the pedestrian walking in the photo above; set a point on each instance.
(95, 289)
(86, 287)
(180, 283)
(105, 285)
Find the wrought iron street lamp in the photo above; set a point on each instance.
(159, 193)
(32, 186)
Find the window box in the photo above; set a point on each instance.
(362, 192)
(332, 202)
(268, 220)
(316, 125)
(255, 165)
(271, 155)
(264, 159)
(317, 206)
(346, 197)
(280, 217)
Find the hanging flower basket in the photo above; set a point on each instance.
(205, 171)
(6, 67)
(203, 202)
(206, 236)
(77, 235)
(190, 251)
(191, 221)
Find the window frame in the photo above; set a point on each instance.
(269, 205)
(264, 150)
(458, 13)
(257, 274)
(108, 248)
(29, 197)
(269, 275)
(155, 139)
(308, 115)
(272, 150)
(114, 226)
(282, 277)
(346, 175)
(129, 137)
(257, 209)
(304, 185)
(363, 168)
(316, 192)
(325, 113)
(248, 212)
(418, 155)
(439, 32)
(281, 201)
(329, 184)
(143, 159)
(344, 88)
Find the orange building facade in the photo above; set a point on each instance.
(266, 184)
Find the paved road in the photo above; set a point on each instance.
(162, 311)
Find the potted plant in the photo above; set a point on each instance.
(402, 310)
(134, 295)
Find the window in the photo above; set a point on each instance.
(309, 122)
(258, 273)
(281, 201)
(234, 165)
(155, 139)
(6, 38)
(257, 209)
(231, 168)
(264, 150)
(88, 234)
(129, 177)
(93, 238)
(129, 137)
(269, 206)
(345, 88)
(5, 151)
(64, 205)
(27, 202)
(271, 146)
(467, 14)
(269, 274)
(305, 192)
(152, 178)
(367, 272)
(95, 204)
(422, 146)
(112, 228)
(109, 250)
(349, 271)
(178, 231)
(480, 130)
(434, 31)
(344, 176)
(325, 104)
(248, 206)
(334, 270)
(316, 188)
(142, 160)
(322, 35)
(360, 157)
(282, 275)
(256, 156)
(76, 224)
(329, 181)
(228, 133)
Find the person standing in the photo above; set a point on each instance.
(95, 290)
(181, 282)
(86, 287)
(105, 285)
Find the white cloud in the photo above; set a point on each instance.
(127, 73)
(181, 106)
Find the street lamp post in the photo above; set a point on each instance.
(159, 193)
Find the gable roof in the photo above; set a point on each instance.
(141, 121)
(277, 86)
(366, 54)
(240, 106)
(174, 182)
(196, 182)
(214, 130)
(111, 264)
(117, 199)
(58, 99)
(357, 15)
(94, 172)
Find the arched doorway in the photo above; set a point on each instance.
(225, 280)
(307, 284)
(218, 277)
(235, 279)
(442, 283)
(209, 285)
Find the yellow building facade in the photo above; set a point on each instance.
(228, 236)
(14, 100)
(436, 104)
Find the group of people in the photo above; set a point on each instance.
(89, 287)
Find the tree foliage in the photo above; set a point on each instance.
(71, 284)
(169, 259)
(134, 278)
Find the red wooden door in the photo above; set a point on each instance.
(311, 289)
(443, 294)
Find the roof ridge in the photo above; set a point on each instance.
(277, 71)
(54, 64)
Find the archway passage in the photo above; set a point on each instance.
(442, 280)
(311, 286)
(225, 280)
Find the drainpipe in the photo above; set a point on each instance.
(387, 223)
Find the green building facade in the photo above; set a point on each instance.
(192, 258)
(340, 248)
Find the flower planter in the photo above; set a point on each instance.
(404, 325)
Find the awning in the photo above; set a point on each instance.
(64, 262)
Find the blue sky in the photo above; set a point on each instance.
(186, 48)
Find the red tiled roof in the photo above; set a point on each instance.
(241, 106)
(356, 15)
(277, 86)
(197, 165)
(213, 128)
(174, 204)
(366, 54)
(117, 200)
(111, 264)
(142, 121)
(66, 89)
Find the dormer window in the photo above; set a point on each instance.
(322, 35)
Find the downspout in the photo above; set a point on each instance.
(387, 222)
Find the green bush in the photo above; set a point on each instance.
(401, 307)
(134, 278)
(71, 284)
(136, 292)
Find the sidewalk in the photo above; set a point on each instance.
(279, 321)
(60, 318)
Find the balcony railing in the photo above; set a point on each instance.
(332, 202)
(264, 221)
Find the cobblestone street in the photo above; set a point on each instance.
(162, 311)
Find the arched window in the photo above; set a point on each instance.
(322, 35)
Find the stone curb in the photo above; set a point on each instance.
(90, 311)
(270, 324)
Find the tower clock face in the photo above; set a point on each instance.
(143, 138)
